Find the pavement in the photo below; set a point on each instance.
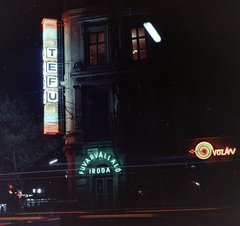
(202, 216)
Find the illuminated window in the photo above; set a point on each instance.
(138, 43)
(97, 48)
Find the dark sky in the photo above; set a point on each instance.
(21, 46)
(206, 61)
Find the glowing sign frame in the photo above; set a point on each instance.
(204, 150)
(50, 76)
(96, 156)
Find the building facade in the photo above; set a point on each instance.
(129, 109)
(111, 65)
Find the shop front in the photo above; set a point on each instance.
(214, 163)
(97, 175)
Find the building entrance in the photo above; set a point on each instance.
(104, 193)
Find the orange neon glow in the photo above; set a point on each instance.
(51, 128)
(49, 23)
(204, 150)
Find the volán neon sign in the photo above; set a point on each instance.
(50, 76)
(204, 150)
(98, 156)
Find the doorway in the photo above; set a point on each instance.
(104, 193)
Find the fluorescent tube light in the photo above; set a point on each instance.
(53, 161)
(151, 30)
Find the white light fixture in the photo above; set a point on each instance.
(53, 161)
(151, 30)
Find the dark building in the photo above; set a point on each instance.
(112, 67)
(131, 104)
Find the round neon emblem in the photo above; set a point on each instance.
(203, 150)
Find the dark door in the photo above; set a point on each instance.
(104, 193)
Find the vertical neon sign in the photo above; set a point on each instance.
(50, 76)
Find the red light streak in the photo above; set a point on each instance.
(118, 216)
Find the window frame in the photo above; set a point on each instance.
(137, 38)
(93, 30)
(95, 46)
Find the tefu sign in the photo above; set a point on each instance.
(114, 165)
(50, 76)
(204, 150)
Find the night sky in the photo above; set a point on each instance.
(21, 47)
(205, 65)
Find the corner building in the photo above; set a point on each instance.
(136, 136)
(111, 106)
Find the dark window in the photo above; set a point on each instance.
(99, 112)
(97, 48)
(138, 43)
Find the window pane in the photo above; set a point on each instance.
(143, 54)
(101, 37)
(134, 44)
(141, 32)
(101, 48)
(134, 49)
(134, 33)
(135, 56)
(93, 54)
(101, 53)
(142, 43)
(92, 38)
